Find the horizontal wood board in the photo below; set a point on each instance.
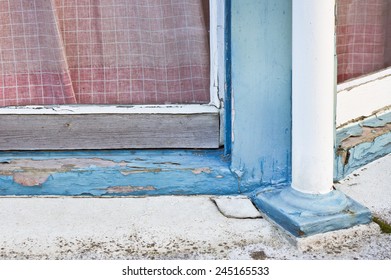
(108, 131)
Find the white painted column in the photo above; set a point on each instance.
(313, 74)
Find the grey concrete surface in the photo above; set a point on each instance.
(239, 207)
(371, 186)
(182, 227)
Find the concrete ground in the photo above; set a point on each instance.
(191, 227)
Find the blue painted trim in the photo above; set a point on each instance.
(228, 80)
(378, 120)
(261, 92)
(305, 214)
(348, 159)
(361, 155)
(148, 172)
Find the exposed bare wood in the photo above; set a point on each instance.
(108, 131)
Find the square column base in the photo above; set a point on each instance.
(307, 214)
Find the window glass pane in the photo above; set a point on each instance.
(103, 52)
(363, 37)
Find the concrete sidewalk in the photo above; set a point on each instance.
(192, 227)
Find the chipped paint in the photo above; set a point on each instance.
(32, 173)
(128, 189)
(361, 143)
(116, 173)
(56, 165)
(354, 121)
(201, 170)
(167, 163)
(30, 179)
(368, 134)
(152, 170)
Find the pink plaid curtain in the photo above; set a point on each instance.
(363, 37)
(103, 52)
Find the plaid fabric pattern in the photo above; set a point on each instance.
(32, 62)
(103, 52)
(363, 37)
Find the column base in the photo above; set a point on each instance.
(304, 214)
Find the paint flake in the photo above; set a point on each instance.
(198, 171)
(144, 170)
(369, 134)
(30, 179)
(31, 173)
(128, 189)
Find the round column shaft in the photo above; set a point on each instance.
(313, 90)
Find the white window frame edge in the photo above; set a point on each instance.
(217, 55)
(217, 60)
(363, 97)
(217, 83)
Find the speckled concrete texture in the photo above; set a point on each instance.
(125, 228)
(371, 186)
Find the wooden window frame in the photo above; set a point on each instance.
(71, 127)
(363, 96)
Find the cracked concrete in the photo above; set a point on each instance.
(237, 207)
(128, 228)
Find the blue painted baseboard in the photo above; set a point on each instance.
(362, 143)
(115, 173)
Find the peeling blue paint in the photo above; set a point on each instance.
(361, 155)
(378, 120)
(261, 91)
(345, 133)
(153, 172)
(365, 149)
